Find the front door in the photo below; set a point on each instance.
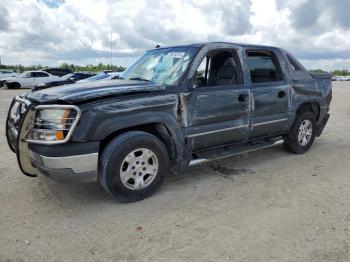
(218, 107)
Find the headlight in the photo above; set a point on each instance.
(53, 124)
(41, 85)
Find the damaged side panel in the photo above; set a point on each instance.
(105, 117)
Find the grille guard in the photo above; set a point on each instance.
(15, 137)
(11, 141)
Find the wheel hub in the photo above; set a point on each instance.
(305, 132)
(139, 168)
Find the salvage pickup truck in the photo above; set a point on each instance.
(174, 107)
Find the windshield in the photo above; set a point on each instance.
(161, 66)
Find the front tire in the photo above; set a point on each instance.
(133, 166)
(14, 85)
(302, 134)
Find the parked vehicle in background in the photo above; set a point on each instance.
(97, 77)
(6, 73)
(102, 76)
(57, 71)
(174, 107)
(28, 79)
(63, 80)
(113, 75)
(341, 78)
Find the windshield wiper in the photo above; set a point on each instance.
(140, 79)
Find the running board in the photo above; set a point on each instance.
(221, 155)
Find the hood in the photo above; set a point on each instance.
(80, 92)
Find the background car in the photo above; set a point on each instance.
(113, 75)
(6, 73)
(64, 80)
(101, 76)
(28, 79)
(57, 71)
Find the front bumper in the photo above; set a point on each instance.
(71, 162)
(75, 168)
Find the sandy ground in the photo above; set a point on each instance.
(266, 206)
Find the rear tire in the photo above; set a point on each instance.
(302, 134)
(133, 166)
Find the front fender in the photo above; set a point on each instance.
(104, 128)
(112, 125)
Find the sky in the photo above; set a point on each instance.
(51, 32)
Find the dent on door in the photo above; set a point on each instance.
(218, 117)
(271, 110)
(269, 101)
(216, 107)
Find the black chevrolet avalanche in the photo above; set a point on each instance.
(174, 107)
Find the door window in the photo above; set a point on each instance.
(219, 68)
(263, 67)
(28, 75)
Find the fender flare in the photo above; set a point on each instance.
(308, 101)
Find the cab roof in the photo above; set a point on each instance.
(243, 45)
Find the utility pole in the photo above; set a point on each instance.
(111, 51)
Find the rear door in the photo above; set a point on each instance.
(26, 80)
(218, 107)
(270, 93)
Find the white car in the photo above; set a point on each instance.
(4, 73)
(28, 79)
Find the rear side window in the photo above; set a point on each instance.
(264, 67)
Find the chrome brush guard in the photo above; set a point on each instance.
(18, 122)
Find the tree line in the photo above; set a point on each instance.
(343, 72)
(102, 67)
(72, 67)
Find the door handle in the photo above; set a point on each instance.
(281, 94)
(241, 98)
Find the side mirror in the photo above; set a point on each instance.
(198, 80)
